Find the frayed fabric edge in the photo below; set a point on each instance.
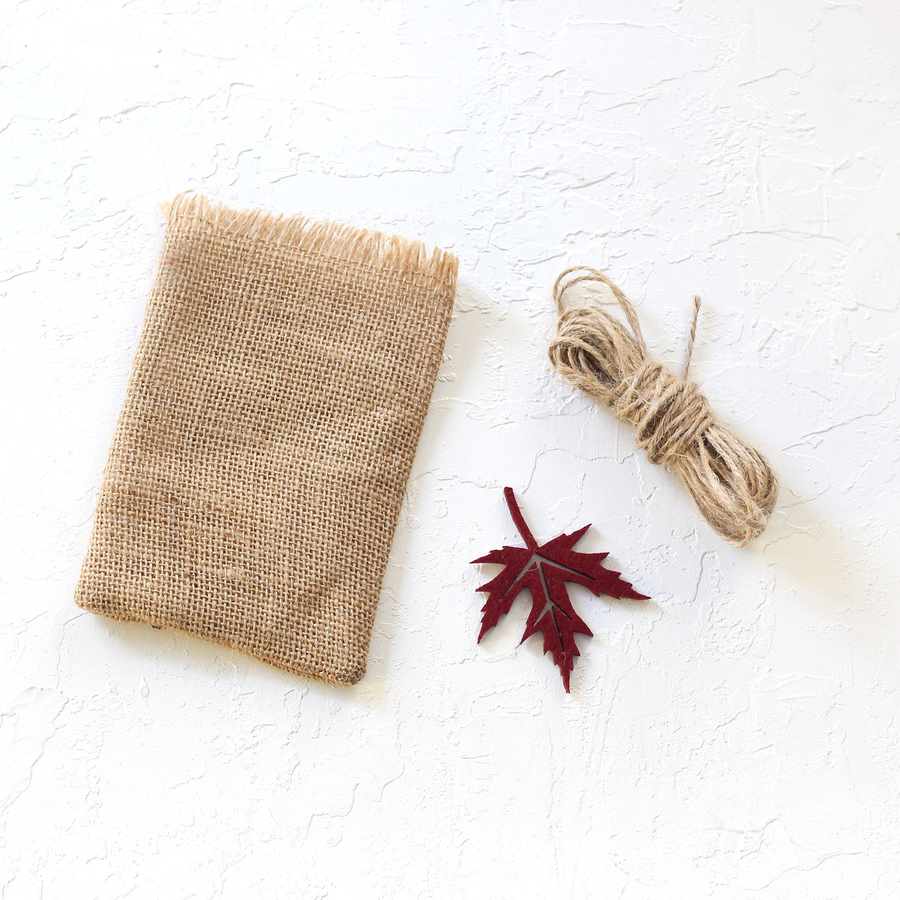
(359, 245)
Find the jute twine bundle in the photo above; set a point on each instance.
(732, 484)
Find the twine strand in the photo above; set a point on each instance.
(693, 335)
(732, 484)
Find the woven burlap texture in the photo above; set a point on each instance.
(275, 402)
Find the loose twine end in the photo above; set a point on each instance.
(733, 485)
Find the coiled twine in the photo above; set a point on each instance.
(732, 484)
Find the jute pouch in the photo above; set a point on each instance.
(276, 399)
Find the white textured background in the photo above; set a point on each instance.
(736, 738)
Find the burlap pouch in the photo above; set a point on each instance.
(276, 398)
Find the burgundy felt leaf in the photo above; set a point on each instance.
(544, 569)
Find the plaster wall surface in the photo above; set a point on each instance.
(737, 737)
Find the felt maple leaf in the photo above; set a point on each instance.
(544, 569)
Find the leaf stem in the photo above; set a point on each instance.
(519, 519)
